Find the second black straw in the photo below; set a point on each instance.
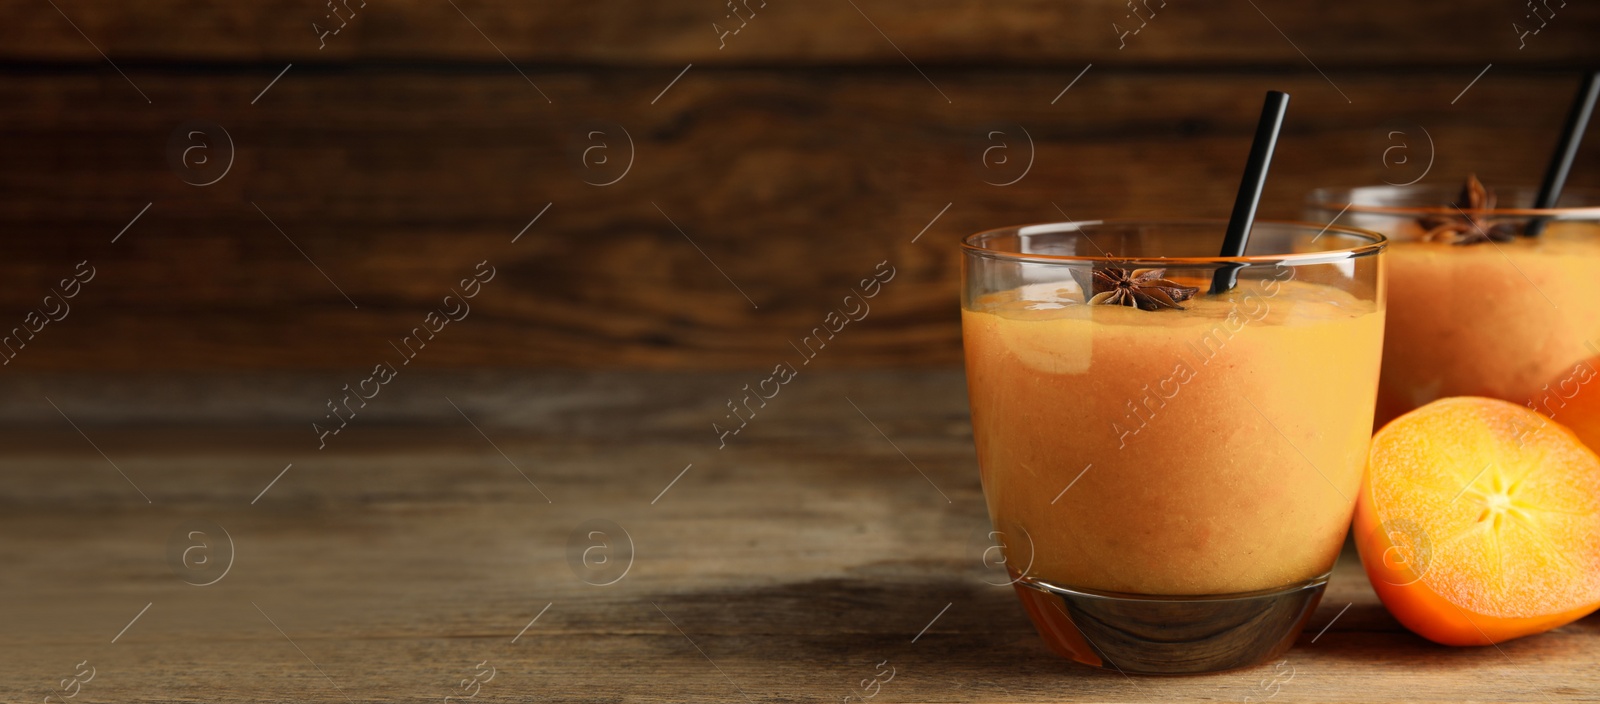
(1555, 177)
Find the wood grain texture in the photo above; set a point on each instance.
(783, 32)
(755, 200)
(765, 180)
(784, 568)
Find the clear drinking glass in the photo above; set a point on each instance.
(1511, 319)
(1171, 487)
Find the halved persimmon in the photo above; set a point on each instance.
(1479, 522)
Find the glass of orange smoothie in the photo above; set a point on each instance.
(1480, 308)
(1171, 471)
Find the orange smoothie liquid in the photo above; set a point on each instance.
(1213, 450)
(1498, 320)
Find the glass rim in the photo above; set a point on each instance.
(1375, 243)
(1324, 198)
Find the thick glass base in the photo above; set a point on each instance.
(1169, 635)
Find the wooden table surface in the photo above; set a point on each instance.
(835, 540)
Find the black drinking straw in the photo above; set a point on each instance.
(1255, 178)
(1555, 177)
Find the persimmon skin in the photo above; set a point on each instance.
(1573, 400)
(1397, 557)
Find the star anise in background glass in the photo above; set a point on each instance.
(1140, 288)
(1467, 225)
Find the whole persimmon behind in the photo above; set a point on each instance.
(1572, 399)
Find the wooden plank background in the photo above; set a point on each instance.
(820, 141)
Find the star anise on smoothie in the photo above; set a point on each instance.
(1140, 288)
(1467, 225)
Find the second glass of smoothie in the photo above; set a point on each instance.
(1480, 308)
(1171, 472)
